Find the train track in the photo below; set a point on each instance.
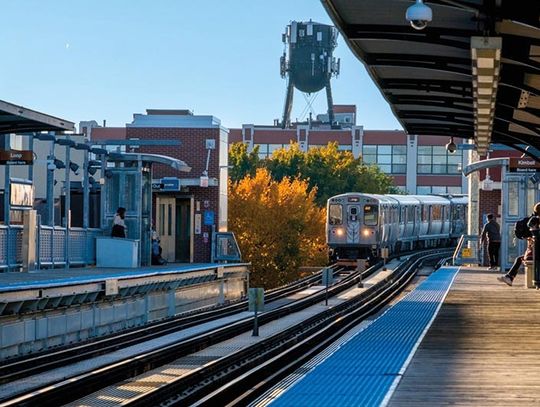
(27, 366)
(238, 363)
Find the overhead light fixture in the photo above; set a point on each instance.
(486, 63)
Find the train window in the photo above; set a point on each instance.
(370, 215)
(335, 214)
(436, 212)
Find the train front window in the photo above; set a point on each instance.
(335, 214)
(370, 215)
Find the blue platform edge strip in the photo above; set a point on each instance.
(40, 281)
(366, 369)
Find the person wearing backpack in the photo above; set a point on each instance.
(492, 234)
(532, 224)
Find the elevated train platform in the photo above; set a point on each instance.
(49, 308)
(460, 338)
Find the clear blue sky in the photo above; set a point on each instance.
(107, 59)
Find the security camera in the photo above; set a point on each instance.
(419, 15)
(451, 146)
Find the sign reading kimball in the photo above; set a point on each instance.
(14, 157)
(523, 165)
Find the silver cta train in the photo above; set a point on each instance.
(359, 226)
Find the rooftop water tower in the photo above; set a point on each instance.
(308, 63)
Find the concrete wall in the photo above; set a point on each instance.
(24, 334)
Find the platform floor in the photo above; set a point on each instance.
(77, 275)
(483, 348)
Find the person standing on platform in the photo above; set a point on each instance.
(533, 224)
(492, 234)
(119, 226)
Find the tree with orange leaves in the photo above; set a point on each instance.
(278, 227)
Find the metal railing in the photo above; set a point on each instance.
(50, 246)
(468, 251)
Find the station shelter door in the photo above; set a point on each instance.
(174, 226)
(519, 194)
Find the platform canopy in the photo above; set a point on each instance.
(436, 79)
(152, 158)
(18, 119)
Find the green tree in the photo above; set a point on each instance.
(241, 162)
(329, 170)
(278, 227)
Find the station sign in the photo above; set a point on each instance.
(465, 146)
(167, 184)
(16, 157)
(523, 165)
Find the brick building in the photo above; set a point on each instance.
(418, 164)
(187, 207)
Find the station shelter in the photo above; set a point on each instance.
(188, 207)
(517, 193)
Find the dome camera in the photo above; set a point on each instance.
(419, 15)
(451, 146)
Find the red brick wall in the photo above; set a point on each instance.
(193, 152)
(489, 202)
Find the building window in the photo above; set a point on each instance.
(266, 150)
(438, 190)
(391, 159)
(436, 160)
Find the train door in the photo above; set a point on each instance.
(165, 225)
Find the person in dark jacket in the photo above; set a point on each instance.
(492, 234)
(533, 225)
(119, 226)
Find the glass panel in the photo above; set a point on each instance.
(335, 214)
(384, 150)
(112, 198)
(513, 246)
(399, 150)
(438, 190)
(531, 198)
(385, 168)
(454, 190)
(423, 190)
(453, 169)
(424, 169)
(439, 169)
(370, 215)
(345, 147)
(369, 159)
(513, 204)
(399, 169)
(424, 150)
(439, 150)
(384, 159)
(274, 147)
(399, 159)
(424, 159)
(454, 159)
(369, 149)
(132, 192)
(263, 148)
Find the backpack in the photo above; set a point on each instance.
(521, 230)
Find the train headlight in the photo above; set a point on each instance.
(366, 232)
(340, 232)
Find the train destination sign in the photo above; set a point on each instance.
(523, 165)
(15, 157)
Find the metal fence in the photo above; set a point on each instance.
(50, 246)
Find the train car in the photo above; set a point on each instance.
(360, 225)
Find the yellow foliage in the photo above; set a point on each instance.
(278, 227)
